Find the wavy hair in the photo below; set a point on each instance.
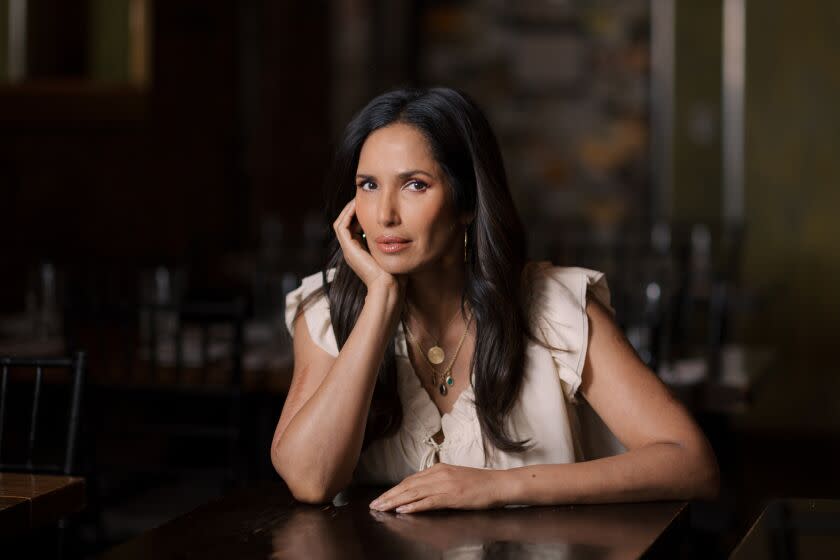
(464, 146)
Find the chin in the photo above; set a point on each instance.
(396, 264)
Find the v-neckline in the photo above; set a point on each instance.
(401, 350)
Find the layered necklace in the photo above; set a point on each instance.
(436, 356)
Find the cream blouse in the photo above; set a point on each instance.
(564, 429)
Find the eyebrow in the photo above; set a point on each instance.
(403, 175)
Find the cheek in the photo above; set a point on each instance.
(439, 237)
(364, 213)
(437, 228)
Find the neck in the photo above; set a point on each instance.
(435, 294)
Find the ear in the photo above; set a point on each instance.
(467, 218)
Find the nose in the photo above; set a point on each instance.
(387, 212)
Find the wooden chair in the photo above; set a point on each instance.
(17, 374)
(30, 389)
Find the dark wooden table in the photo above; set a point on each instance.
(265, 522)
(14, 516)
(33, 500)
(794, 528)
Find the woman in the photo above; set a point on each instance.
(430, 356)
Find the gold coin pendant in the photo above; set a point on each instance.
(436, 355)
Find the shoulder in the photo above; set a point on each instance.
(315, 310)
(561, 291)
(560, 301)
(312, 282)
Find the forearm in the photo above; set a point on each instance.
(661, 471)
(321, 445)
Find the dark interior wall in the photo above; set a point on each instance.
(792, 192)
(791, 256)
(791, 168)
(792, 165)
(697, 91)
(232, 126)
(291, 130)
(193, 122)
(57, 40)
(144, 183)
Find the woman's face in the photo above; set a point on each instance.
(402, 202)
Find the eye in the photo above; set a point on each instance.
(366, 185)
(417, 185)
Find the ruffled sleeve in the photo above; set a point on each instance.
(317, 313)
(558, 315)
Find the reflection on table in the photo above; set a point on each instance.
(266, 521)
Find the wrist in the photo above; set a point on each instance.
(386, 290)
(508, 487)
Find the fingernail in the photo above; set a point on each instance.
(375, 504)
(402, 509)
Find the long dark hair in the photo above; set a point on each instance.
(464, 146)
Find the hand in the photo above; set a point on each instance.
(444, 486)
(356, 255)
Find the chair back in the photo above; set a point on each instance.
(25, 378)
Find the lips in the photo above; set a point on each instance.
(391, 243)
(391, 239)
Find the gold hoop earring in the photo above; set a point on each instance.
(465, 245)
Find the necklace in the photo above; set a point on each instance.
(446, 380)
(436, 355)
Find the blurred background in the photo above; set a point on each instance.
(161, 187)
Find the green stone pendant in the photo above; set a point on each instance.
(447, 382)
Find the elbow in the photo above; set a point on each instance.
(706, 476)
(308, 493)
(304, 485)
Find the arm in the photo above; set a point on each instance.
(668, 457)
(319, 436)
